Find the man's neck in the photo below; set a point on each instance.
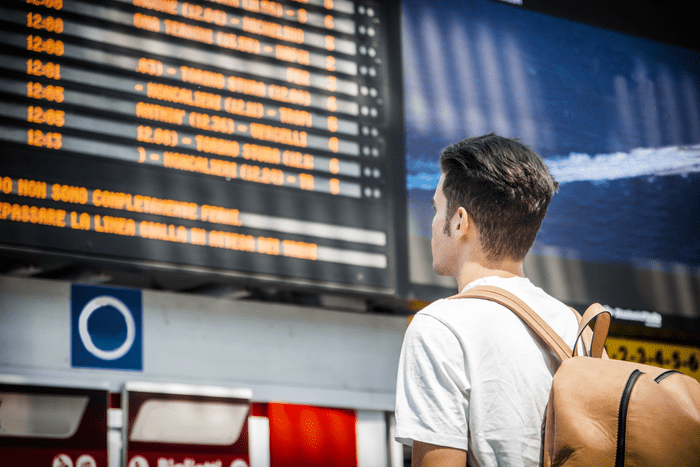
(471, 271)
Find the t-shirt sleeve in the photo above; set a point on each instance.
(432, 390)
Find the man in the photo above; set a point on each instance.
(473, 379)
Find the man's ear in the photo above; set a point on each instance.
(462, 219)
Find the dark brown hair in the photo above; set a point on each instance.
(504, 186)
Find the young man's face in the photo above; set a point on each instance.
(442, 243)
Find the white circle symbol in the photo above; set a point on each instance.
(62, 460)
(95, 304)
(138, 461)
(86, 460)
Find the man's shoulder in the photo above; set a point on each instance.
(449, 308)
(519, 286)
(554, 312)
(483, 316)
(466, 318)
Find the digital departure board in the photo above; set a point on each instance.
(232, 136)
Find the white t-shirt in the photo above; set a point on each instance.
(473, 376)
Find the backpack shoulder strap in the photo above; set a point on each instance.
(597, 337)
(586, 336)
(524, 312)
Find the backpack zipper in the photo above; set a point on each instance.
(622, 418)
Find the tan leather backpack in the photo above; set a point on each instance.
(609, 413)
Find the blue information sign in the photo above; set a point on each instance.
(106, 328)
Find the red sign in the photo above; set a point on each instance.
(307, 436)
(186, 426)
(52, 426)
